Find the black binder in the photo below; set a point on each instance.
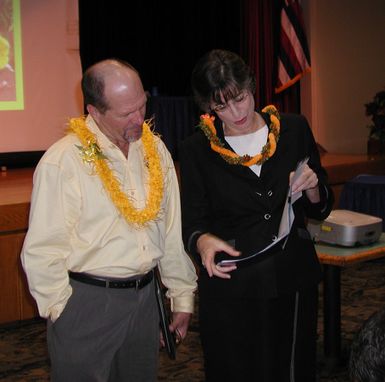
(169, 338)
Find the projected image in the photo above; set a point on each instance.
(11, 82)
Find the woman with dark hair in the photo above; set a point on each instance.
(258, 314)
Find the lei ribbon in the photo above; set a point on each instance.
(92, 154)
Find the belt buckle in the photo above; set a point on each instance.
(107, 283)
(137, 284)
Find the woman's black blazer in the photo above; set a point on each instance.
(233, 203)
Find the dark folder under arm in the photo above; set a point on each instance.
(168, 337)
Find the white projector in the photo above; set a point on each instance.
(346, 228)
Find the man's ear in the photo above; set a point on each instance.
(93, 111)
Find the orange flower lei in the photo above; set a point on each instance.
(91, 153)
(268, 150)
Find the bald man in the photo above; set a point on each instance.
(105, 211)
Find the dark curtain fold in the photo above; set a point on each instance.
(174, 117)
(259, 47)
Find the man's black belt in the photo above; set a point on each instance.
(137, 283)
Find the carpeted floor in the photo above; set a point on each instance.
(23, 354)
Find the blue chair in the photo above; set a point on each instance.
(365, 194)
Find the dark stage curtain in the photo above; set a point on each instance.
(174, 119)
(260, 45)
(161, 39)
(148, 36)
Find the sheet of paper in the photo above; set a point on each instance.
(286, 222)
(288, 212)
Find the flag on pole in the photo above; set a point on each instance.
(293, 57)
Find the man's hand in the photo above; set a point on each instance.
(179, 324)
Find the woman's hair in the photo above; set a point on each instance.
(219, 76)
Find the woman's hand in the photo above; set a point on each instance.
(207, 246)
(308, 182)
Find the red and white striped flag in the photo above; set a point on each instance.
(294, 57)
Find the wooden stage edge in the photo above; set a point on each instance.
(343, 167)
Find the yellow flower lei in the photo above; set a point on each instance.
(91, 153)
(268, 150)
